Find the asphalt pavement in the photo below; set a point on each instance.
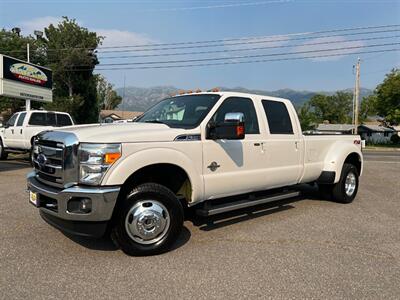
(303, 248)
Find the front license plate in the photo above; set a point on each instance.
(34, 198)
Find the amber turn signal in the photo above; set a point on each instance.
(110, 158)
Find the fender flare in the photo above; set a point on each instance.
(336, 156)
(122, 170)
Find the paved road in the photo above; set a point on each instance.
(306, 248)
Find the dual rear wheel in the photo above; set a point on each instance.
(346, 189)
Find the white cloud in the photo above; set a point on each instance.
(29, 26)
(330, 43)
(113, 37)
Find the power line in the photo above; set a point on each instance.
(250, 56)
(217, 6)
(254, 39)
(234, 62)
(248, 42)
(245, 49)
(243, 62)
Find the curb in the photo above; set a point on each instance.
(381, 149)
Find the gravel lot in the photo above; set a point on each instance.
(305, 248)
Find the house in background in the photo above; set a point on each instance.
(335, 128)
(110, 116)
(375, 134)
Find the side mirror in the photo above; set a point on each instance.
(231, 129)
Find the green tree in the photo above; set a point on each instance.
(71, 55)
(307, 117)
(107, 97)
(388, 98)
(367, 108)
(333, 108)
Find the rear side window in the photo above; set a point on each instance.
(63, 120)
(279, 121)
(21, 119)
(43, 119)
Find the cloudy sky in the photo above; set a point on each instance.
(281, 23)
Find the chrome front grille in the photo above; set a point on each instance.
(48, 161)
(55, 158)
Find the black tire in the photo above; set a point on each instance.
(3, 153)
(142, 193)
(339, 189)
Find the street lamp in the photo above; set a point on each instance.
(38, 33)
(16, 30)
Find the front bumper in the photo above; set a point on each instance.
(53, 202)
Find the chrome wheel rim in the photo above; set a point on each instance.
(147, 222)
(350, 184)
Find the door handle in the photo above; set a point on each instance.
(257, 144)
(20, 131)
(12, 131)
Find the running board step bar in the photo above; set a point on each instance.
(209, 210)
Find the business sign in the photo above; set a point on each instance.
(20, 79)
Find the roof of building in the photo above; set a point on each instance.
(119, 114)
(335, 127)
(377, 128)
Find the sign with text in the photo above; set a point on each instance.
(20, 79)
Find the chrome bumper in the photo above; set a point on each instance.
(103, 200)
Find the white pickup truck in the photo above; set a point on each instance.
(18, 133)
(213, 152)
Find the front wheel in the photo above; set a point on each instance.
(149, 221)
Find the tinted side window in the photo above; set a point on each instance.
(243, 105)
(11, 121)
(21, 119)
(51, 119)
(279, 121)
(63, 120)
(38, 119)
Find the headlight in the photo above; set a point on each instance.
(94, 161)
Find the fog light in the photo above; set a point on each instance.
(79, 205)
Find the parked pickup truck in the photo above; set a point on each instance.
(212, 152)
(18, 133)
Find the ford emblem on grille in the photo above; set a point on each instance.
(41, 160)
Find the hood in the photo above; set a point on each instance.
(124, 132)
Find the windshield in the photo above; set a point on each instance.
(183, 111)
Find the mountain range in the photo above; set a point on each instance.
(140, 99)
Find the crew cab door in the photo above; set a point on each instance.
(19, 131)
(9, 132)
(233, 166)
(283, 145)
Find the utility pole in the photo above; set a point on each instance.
(356, 95)
(123, 97)
(27, 101)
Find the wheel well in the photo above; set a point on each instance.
(169, 175)
(355, 160)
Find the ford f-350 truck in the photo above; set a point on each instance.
(213, 151)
